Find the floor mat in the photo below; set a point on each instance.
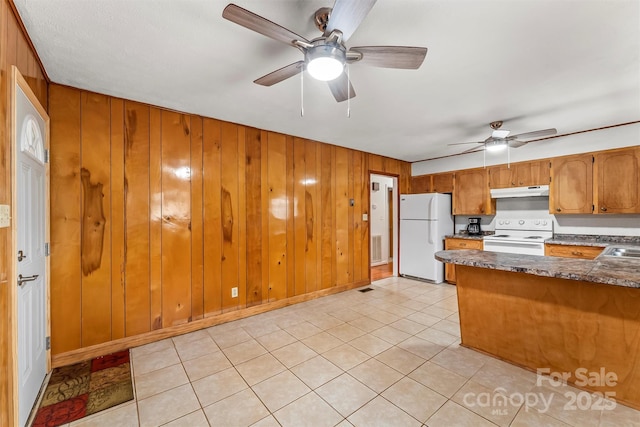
(85, 388)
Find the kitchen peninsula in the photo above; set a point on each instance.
(554, 314)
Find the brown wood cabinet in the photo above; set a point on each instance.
(617, 181)
(434, 183)
(572, 251)
(471, 193)
(420, 184)
(519, 174)
(571, 187)
(442, 182)
(452, 243)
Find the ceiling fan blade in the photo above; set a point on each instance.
(339, 88)
(534, 134)
(281, 74)
(404, 57)
(463, 143)
(515, 143)
(472, 149)
(259, 24)
(347, 15)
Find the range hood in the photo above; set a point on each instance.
(533, 191)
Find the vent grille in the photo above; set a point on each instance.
(376, 248)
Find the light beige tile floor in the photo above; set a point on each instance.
(389, 357)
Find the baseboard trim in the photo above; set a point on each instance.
(85, 353)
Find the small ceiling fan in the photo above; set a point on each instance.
(325, 56)
(501, 138)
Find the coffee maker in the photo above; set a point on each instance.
(473, 228)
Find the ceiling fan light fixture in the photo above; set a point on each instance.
(495, 146)
(500, 134)
(325, 62)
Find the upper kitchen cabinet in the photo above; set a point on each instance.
(571, 190)
(471, 193)
(442, 182)
(421, 184)
(435, 183)
(523, 174)
(617, 186)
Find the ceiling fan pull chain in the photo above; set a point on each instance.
(301, 91)
(348, 92)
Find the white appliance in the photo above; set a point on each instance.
(424, 221)
(519, 236)
(533, 191)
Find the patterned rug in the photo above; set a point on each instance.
(85, 388)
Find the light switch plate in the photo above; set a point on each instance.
(365, 217)
(5, 216)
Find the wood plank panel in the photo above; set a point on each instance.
(253, 191)
(365, 264)
(358, 209)
(341, 222)
(375, 163)
(197, 221)
(212, 217)
(309, 215)
(277, 216)
(241, 300)
(66, 276)
(176, 219)
(327, 217)
(318, 216)
(118, 248)
(137, 207)
(266, 200)
(155, 217)
(96, 220)
(230, 219)
(290, 254)
(299, 215)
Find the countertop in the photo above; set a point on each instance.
(591, 240)
(600, 270)
(464, 235)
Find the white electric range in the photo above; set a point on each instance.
(519, 236)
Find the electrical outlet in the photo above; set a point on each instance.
(234, 292)
(5, 216)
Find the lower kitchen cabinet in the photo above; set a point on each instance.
(452, 243)
(572, 251)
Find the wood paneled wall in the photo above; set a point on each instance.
(157, 215)
(14, 50)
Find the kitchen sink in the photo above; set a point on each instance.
(622, 252)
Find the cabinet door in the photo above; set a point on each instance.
(471, 193)
(442, 183)
(571, 187)
(617, 188)
(453, 243)
(532, 173)
(501, 176)
(421, 184)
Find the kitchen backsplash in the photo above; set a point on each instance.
(538, 207)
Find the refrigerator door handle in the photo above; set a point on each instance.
(431, 232)
(432, 213)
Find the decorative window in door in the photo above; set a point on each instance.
(31, 138)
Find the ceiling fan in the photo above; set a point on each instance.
(325, 56)
(501, 138)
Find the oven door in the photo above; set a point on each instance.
(514, 246)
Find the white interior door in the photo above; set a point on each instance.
(31, 234)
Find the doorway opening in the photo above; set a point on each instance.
(383, 226)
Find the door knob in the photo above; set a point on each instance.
(21, 256)
(24, 279)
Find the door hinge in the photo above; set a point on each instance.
(47, 251)
(46, 156)
(48, 343)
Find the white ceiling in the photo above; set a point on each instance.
(536, 64)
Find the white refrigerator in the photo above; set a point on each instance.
(424, 221)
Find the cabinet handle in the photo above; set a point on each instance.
(603, 209)
(558, 209)
(463, 244)
(513, 183)
(576, 253)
